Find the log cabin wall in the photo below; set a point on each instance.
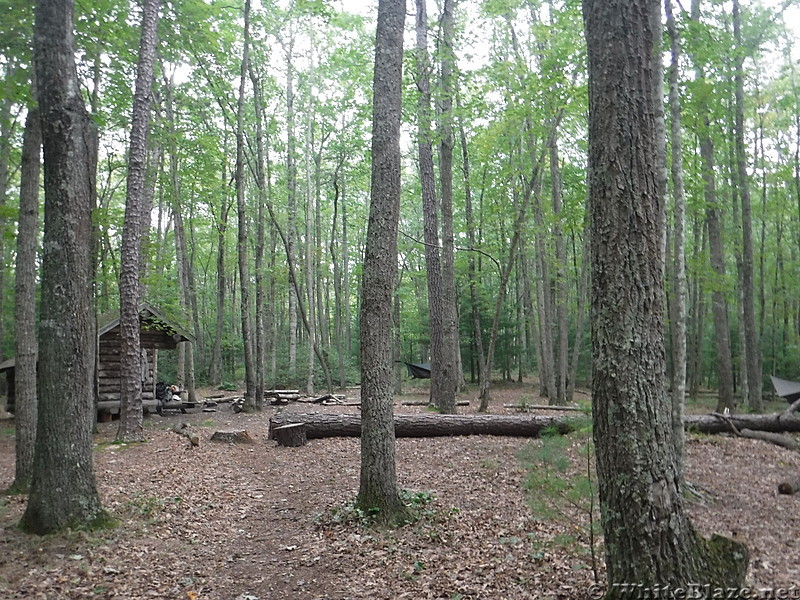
(108, 375)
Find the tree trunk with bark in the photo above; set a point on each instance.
(320, 425)
(25, 346)
(679, 255)
(291, 188)
(442, 388)
(378, 485)
(753, 356)
(63, 489)
(130, 367)
(648, 536)
(451, 369)
(719, 307)
(261, 295)
(242, 245)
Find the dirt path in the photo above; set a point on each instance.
(223, 522)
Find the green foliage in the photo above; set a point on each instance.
(417, 504)
(561, 487)
(150, 507)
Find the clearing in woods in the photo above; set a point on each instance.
(258, 521)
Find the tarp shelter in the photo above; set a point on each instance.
(790, 390)
(157, 332)
(419, 370)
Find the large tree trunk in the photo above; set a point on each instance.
(442, 388)
(130, 367)
(477, 333)
(188, 297)
(261, 299)
(242, 245)
(719, 306)
(378, 485)
(25, 347)
(216, 368)
(311, 302)
(320, 425)
(451, 372)
(753, 356)
(291, 188)
(338, 297)
(679, 266)
(63, 490)
(648, 536)
(560, 288)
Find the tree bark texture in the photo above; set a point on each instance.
(679, 256)
(320, 425)
(451, 372)
(753, 356)
(242, 244)
(442, 390)
(719, 306)
(378, 485)
(25, 347)
(649, 538)
(130, 368)
(63, 489)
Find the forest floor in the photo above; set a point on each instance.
(238, 522)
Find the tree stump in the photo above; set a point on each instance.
(292, 435)
(233, 437)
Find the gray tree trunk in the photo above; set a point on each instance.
(130, 367)
(291, 187)
(378, 486)
(561, 288)
(25, 347)
(475, 313)
(719, 306)
(442, 390)
(679, 255)
(451, 369)
(753, 356)
(63, 489)
(250, 403)
(648, 536)
(261, 295)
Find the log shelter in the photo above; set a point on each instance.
(157, 332)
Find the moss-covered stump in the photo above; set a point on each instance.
(725, 560)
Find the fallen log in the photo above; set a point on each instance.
(320, 425)
(425, 403)
(527, 407)
(185, 430)
(774, 422)
(784, 441)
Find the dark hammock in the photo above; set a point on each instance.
(418, 371)
(786, 389)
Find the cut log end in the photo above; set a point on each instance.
(292, 435)
(233, 437)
